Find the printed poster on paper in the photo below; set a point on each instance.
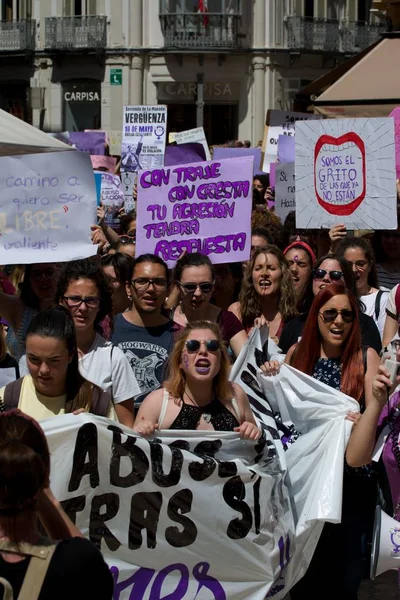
(143, 137)
(280, 122)
(346, 173)
(196, 135)
(199, 207)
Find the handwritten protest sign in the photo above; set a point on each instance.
(144, 136)
(286, 149)
(202, 207)
(220, 153)
(346, 173)
(114, 142)
(88, 141)
(112, 198)
(285, 189)
(280, 122)
(191, 135)
(47, 205)
(395, 114)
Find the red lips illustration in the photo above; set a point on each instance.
(350, 207)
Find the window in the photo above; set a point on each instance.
(15, 9)
(363, 10)
(309, 8)
(336, 9)
(78, 8)
(194, 6)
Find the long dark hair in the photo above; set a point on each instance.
(122, 264)
(57, 323)
(87, 269)
(365, 246)
(195, 259)
(308, 350)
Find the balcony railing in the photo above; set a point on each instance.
(76, 33)
(17, 36)
(204, 31)
(325, 35)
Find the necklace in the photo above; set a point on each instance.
(206, 415)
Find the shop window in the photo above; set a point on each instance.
(79, 8)
(81, 105)
(12, 10)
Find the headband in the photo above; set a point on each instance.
(303, 245)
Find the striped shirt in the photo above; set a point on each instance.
(387, 280)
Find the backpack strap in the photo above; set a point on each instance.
(101, 401)
(12, 393)
(378, 304)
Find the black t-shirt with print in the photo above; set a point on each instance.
(77, 571)
(147, 349)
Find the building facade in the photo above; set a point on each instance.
(73, 64)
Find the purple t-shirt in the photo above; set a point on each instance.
(388, 457)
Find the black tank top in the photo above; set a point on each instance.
(215, 413)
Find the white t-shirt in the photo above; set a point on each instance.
(391, 303)
(369, 302)
(107, 366)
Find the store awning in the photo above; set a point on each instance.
(369, 88)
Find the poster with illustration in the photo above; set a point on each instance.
(112, 199)
(346, 173)
(143, 137)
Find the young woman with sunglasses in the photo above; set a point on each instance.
(84, 291)
(36, 293)
(267, 293)
(330, 350)
(360, 257)
(194, 274)
(198, 393)
(329, 269)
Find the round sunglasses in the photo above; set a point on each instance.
(190, 288)
(195, 345)
(330, 314)
(333, 275)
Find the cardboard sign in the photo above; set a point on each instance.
(280, 122)
(204, 207)
(191, 135)
(88, 141)
(48, 203)
(346, 173)
(285, 190)
(220, 153)
(143, 137)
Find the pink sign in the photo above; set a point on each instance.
(199, 207)
(104, 162)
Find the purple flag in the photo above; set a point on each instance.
(89, 141)
(236, 152)
(286, 148)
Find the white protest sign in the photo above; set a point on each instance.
(196, 135)
(143, 137)
(346, 173)
(285, 189)
(174, 513)
(280, 122)
(200, 207)
(47, 205)
(112, 198)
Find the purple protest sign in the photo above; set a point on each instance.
(396, 115)
(220, 153)
(184, 154)
(88, 141)
(286, 152)
(201, 207)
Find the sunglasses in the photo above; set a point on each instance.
(127, 239)
(333, 275)
(329, 315)
(190, 288)
(194, 345)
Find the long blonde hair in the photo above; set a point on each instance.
(175, 384)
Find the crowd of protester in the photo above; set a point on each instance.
(120, 335)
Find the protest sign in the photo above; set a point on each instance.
(286, 149)
(285, 190)
(112, 198)
(143, 137)
(88, 141)
(346, 173)
(175, 512)
(184, 154)
(236, 152)
(104, 162)
(203, 207)
(114, 142)
(280, 122)
(395, 114)
(272, 175)
(191, 135)
(48, 203)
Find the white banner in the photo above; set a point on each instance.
(144, 132)
(47, 205)
(206, 515)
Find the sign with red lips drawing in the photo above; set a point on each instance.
(346, 173)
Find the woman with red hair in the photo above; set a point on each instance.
(330, 350)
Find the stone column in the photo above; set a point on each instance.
(258, 98)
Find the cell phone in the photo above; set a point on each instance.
(394, 368)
